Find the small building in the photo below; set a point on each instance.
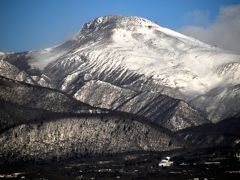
(166, 162)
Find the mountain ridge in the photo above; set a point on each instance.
(120, 85)
(139, 55)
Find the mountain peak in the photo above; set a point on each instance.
(132, 24)
(128, 51)
(143, 47)
(118, 21)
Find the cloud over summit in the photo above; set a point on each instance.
(223, 32)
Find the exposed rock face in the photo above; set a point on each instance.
(162, 110)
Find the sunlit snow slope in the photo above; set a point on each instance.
(169, 58)
(137, 54)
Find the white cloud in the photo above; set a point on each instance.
(223, 32)
(196, 17)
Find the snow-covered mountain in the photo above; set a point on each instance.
(144, 48)
(138, 55)
(38, 123)
(120, 85)
(162, 110)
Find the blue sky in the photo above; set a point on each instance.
(34, 24)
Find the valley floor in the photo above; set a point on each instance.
(204, 164)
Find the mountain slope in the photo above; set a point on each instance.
(12, 115)
(219, 103)
(224, 133)
(39, 123)
(10, 71)
(160, 109)
(40, 135)
(33, 96)
(136, 54)
(140, 47)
